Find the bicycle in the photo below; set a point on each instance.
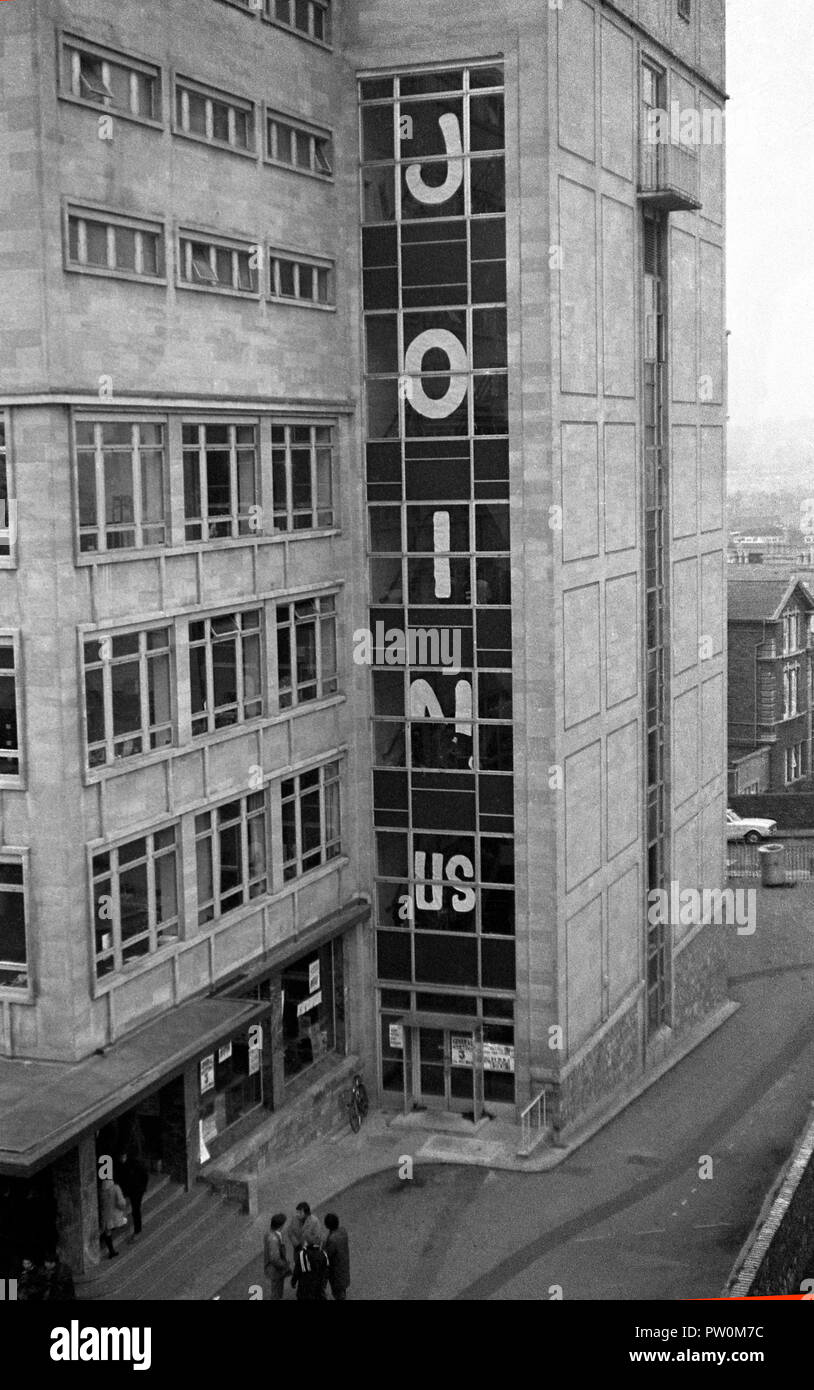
(356, 1102)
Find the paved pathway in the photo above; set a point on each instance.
(636, 1212)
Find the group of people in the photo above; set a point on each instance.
(48, 1282)
(127, 1187)
(319, 1259)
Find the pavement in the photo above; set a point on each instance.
(656, 1203)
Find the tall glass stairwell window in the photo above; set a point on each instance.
(655, 492)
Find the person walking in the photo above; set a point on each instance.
(113, 1213)
(31, 1285)
(275, 1260)
(303, 1229)
(133, 1179)
(338, 1251)
(310, 1273)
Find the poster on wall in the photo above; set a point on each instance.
(498, 1057)
(313, 977)
(225, 1052)
(209, 1127)
(208, 1073)
(254, 1060)
(202, 1149)
(308, 1004)
(462, 1048)
(396, 1035)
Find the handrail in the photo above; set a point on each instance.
(533, 1118)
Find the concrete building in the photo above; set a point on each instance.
(771, 668)
(247, 461)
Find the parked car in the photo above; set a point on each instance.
(749, 828)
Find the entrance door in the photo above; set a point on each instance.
(443, 1069)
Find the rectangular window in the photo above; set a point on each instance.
(213, 116)
(102, 77)
(225, 670)
(121, 470)
(128, 695)
(13, 951)
(307, 281)
(311, 832)
(791, 680)
(6, 528)
(302, 471)
(9, 710)
(231, 856)
(306, 650)
(220, 480)
(99, 241)
(313, 1012)
(217, 265)
(309, 17)
(135, 897)
(298, 146)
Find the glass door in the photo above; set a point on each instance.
(445, 1069)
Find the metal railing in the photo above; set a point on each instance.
(743, 861)
(666, 168)
(533, 1122)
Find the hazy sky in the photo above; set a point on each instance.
(770, 137)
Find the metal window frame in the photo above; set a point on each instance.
(234, 517)
(106, 664)
(8, 529)
(182, 86)
(290, 512)
(290, 623)
(269, 15)
(116, 950)
(98, 420)
(15, 854)
(207, 643)
(12, 637)
(110, 219)
(273, 116)
(212, 835)
(300, 261)
(135, 64)
(187, 237)
(295, 798)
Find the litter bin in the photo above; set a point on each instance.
(772, 865)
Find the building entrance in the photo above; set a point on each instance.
(443, 1064)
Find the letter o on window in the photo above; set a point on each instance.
(458, 362)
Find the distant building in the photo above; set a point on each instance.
(770, 678)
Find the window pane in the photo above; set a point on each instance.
(197, 113)
(133, 901)
(97, 243)
(166, 888)
(12, 928)
(125, 248)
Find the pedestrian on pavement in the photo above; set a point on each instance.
(133, 1179)
(303, 1229)
(338, 1251)
(113, 1208)
(59, 1285)
(310, 1272)
(275, 1260)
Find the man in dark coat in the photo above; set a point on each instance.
(310, 1272)
(133, 1178)
(59, 1285)
(338, 1251)
(275, 1259)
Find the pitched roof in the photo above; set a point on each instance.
(757, 597)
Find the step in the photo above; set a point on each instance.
(173, 1219)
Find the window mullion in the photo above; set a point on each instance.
(135, 472)
(99, 473)
(244, 848)
(116, 923)
(144, 691)
(239, 684)
(210, 679)
(314, 480)
(82, 240)
(202, 487)
(110, 232)
(152, 910)
(234, 529)
(107, 697)
(210, 119)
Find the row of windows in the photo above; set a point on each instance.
(311, 18)
(136, 884)
(122, 478)
(104, 242)
(130, 678)
(130, 87)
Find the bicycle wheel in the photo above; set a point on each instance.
(362, 1098)
(354, 1116)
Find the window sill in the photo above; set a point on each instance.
(297, 169)
(222, 145)
(12, 784)
(23, 995)
(135, 969)
(301, 303)
(115, 111)
(104, 273)
(252, 296)
(88, 558)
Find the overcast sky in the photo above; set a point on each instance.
(770, 136)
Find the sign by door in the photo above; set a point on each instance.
(207, 1073)
(498, 1057)
(308, 1004)
(313, 977)
(396, 1035)
(462, 1049)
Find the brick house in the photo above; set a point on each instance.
(770, 671)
